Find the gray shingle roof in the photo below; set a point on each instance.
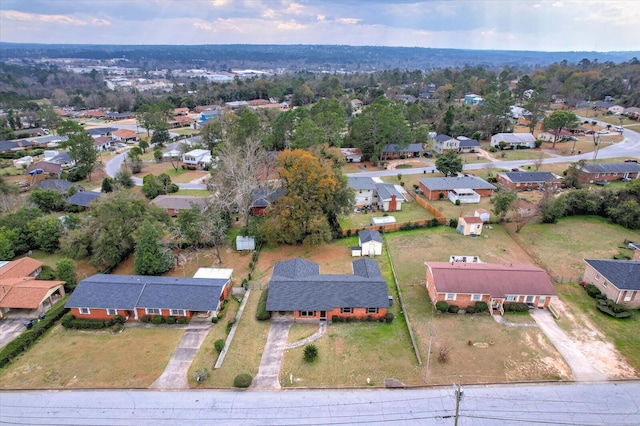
(395, 148)
(448, 183)
(386, 190)
(263, 197)
(624, 274)
(367, 235)
(140, 291)
(361, 183)
(442, 138)
(59, 185)
(519, 177)
(179, 202)
(469, 143)
(83, 198)
(611, 167)
(315, 292)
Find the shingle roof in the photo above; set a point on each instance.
(313, 292)
(264, 197)
(179, 202)
(295, 268)
(59, 185)
(356, 182)
(519, 177)
(14, 145)
(469, 143)
(624, 274)
(493, 279)
(387, 190)
(62, 158)
(611, 167)
(101, 131)
(83, 198)
(141, 291)
(448, 183)
(367, 235)
(395, 148)
(514, 137)
(442, 138)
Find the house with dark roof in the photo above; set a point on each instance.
(597, 172)
(390, 198)
(467, 145)
(297, 287)
(385, 196)
(618, 279)
(393, 151)
(101, 131)
(351, 155)
(103, 296)
(173, 204)
(21, 291)
(365, 191)
(60, 185)
(18, 145)
(444, 143)
(464, 284)
(64, 159)
(46, 168)
(83, 199)
(526, 181)
(118, 116)
(369, 243)
(263, 198)
(439, 188)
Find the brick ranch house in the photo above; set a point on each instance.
(522, 181)
(102, 296)
(464, 284)
(592, 172)
(297, 287)
(434, 187)
(618, 279)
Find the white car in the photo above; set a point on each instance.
(603, 132)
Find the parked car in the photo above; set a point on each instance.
(603, 132)
(631, 160)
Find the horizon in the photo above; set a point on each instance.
(553, 26)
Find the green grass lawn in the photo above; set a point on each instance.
(193, 192)
(633, 127)
(410, 211)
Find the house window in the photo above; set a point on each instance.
(605, 284)
(307, 313)
(450, 296)
(476, 297)
(85, 311)
(512, 298)
(597, 276)
(372, 310)
(153, 311)
(346, 310)
(627, 296)
(529, 299)
(112, 312)
(177, 312)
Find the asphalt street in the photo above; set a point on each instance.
(556, 404)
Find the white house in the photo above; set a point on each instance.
(616, 110)
(365, 191)
(352, 155)
(483, 214)
(514, 140)
(444, 143)
(197, 157)
(369, 242)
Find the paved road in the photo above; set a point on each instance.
(566, 404)
(582, 369)
(175, 373)
(269, 371)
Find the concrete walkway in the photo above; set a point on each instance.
(232, 332)
(582, 369)
(269, 371)
(175, 374)
(322, 328)
(500, 320)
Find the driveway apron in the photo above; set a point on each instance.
(267, 377)
(582, 368)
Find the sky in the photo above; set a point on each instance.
(554, 25)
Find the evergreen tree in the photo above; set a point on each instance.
(150, 258)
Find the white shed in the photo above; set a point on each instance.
(214, 273)
(384, 220)
(482, 214)
(370, 242)
(245, 243)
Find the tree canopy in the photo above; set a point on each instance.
(150, 257)
(559, 120)
(449, 163)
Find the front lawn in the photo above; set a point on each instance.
(410, 211)
(93, 359)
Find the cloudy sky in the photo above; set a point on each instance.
(555, 25)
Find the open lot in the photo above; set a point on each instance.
(93, 359)
(410, 211)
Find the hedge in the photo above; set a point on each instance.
(592, 290)
(69, 321)
(442, 306)
(515, 307)
(261, 313)
(29, 337)
(482, 306)
(613, 309)
(454, 309)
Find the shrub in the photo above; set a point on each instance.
(262, 314)
(219, 345)
(229, 325)
(250, 265)
(515, 307)
(442, 306)
(201, 375)
(481, 307)
(145, 318)
(310, 353)
(592, 290)
(85, 324)
(453, 223)
(242, 380)
(457, 202)
(182, 320)
(388, 318)
(214, 319)
(157, 319)
(453, 309)
(443, 354)
(117, 319)
(171, 320)
(470, 310)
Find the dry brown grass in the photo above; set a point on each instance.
(93, 359)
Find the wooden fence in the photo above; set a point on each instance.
(425, 204)
(393, 227)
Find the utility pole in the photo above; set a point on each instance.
(458, 395)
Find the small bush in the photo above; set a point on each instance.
(171, 320)
(201, 375)
(182, 320)
(388, 318)
(157, 319)
(242, 380)
(310, 353)
(214, 319)
(145, 318)
(515, 307)
(443, 354)
(481, 307)
(442, 306)
(219, 345)
(453, 309)
(229, 325)
(470, 310)
(262, 314)
(117, 319)
(592, 290)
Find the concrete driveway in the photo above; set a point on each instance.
(10, 328)
(581, 367)
(267, 377)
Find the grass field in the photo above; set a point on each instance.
(93, 359)
(633, 127)
(410, 211)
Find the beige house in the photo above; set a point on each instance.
(618, 279)
(469, 225)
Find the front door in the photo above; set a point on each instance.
(323, 315)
